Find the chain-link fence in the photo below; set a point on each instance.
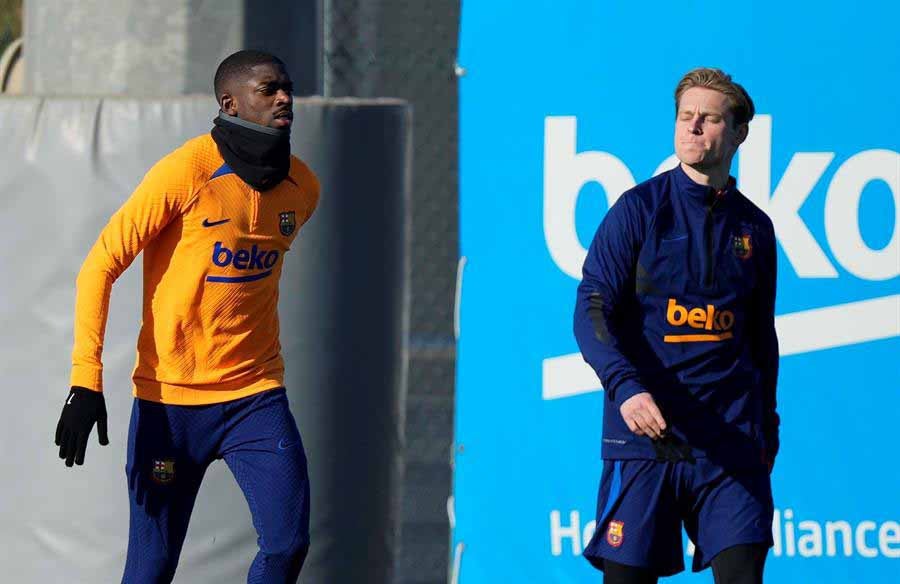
(407, 49)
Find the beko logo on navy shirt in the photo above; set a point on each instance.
(254, 258)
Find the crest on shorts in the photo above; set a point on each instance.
(164, 471)
(742, 244)
(615, 532)
(287, 222)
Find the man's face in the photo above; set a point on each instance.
(705, 136)
(264, 97)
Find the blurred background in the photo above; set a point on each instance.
(467, 154)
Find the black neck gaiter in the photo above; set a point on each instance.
(260, 155)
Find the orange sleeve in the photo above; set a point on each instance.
(315, 191)
(166, 190)
(307, 180)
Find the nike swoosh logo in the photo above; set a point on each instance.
(208, 223)
(284, 445)
(674, 239)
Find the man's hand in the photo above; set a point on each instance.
(643, 416)
(82, 409)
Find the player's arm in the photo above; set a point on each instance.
(309, 182)
(162, 194)
(765, 341)
(607, 285)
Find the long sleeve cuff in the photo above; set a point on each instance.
(625, 390)
(87, 376)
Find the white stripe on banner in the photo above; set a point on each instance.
(799, 332)
(567, 376)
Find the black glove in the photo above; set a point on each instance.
(670, 448)
(83, 407)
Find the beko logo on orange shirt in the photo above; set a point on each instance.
(254, 258)
(717, 322)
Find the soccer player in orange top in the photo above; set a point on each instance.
(214, 219)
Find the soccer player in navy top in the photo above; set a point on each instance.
(675, 313)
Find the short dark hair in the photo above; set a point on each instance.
(239, 65)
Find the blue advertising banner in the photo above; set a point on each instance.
(565, 105)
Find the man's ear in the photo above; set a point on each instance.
(228, 104)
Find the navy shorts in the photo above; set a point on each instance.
(642, 505)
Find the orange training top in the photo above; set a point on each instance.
(213, 251)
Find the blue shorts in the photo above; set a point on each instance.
(642, 505)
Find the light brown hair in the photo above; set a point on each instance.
(741, 105)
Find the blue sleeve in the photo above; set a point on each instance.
(764, 341)
(606, 293)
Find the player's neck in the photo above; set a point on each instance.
(716, 178)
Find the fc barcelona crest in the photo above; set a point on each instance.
(615, 533)
(742, 244)
(287, 222)
(164, 471)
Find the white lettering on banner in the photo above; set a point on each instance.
(566, 171)
(842, 201)
(588, 532)
(566, 376)
(861, 529)
(832, 528)
(783, 206)
(798, 332)
(572, 531)
(807, 539)
(789, 542)
(808, 542)
(889, 535)
(667, 164)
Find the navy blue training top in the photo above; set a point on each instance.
(678, 299)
